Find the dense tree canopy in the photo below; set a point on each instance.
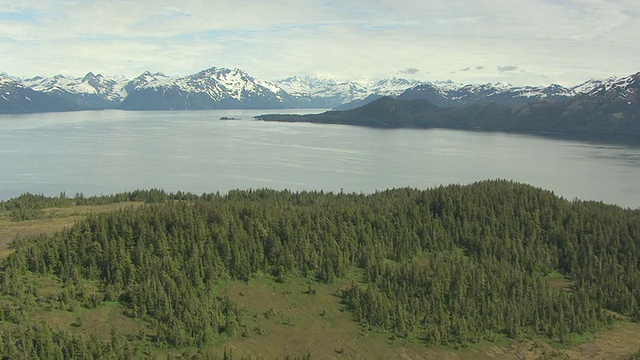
(450, 265)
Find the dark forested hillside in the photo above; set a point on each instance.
(452, 265)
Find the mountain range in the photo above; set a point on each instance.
(221, 88)
(609, 107)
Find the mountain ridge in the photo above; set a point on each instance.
(222, 88)
(610, 108)
(16, 98)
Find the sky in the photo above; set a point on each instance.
(534, 42)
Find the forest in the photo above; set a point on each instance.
(448, 266)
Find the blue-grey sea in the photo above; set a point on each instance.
(110, 151)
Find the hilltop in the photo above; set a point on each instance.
(491, 270)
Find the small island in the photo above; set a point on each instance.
(228, 118)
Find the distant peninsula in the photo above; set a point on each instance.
(612, 110)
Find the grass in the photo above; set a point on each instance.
(286, 318)
(559, 281)
(102, 320)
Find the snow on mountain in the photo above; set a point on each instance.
(237, 84)
(108, 88)
(216, 88)
(623, 86)
(212, 88)
(590, 85)
(617, 100)
(447, 85)
(304, 85)
(16, 97)
(220, 84)
(88, 92)
(391, 87)
(324, 92)
(333, 93)
(620, 91)
(431, 92)
(552, 91)
(450, 94)
(7, 82)
(148, 80)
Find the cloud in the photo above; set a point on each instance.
(358, 39)
(409, 71)
(507, 68)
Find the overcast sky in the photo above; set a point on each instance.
(518, 41)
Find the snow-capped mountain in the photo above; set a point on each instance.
(331, 93)
(149, 80)
(589, 85)
(391, 87)
(88, 92)
(214, 88)
(6, 82)
(452, 94)
(221, 88)
(610, 107)
(321, 93)
(449, 94)
(237, 84)
(16, 98)
(624, 88)
(619, 97)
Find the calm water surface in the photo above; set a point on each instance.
(105, 152)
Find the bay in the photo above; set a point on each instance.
(111, 151)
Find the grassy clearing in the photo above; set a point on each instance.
(55, 219)
(559, 281)
(285, 318)
(108, 317)
(622, 339)
(302, 317)
(103, 320)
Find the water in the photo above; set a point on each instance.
(105, 152)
